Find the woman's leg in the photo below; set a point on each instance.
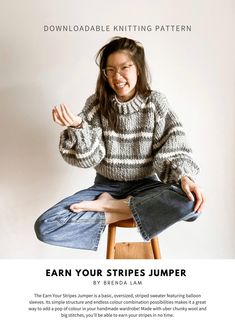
(157, 209)
(61, 226)
(154, 206)
(114, 209)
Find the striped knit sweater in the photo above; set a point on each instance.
(150, 140)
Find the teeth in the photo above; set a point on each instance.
(120, 85)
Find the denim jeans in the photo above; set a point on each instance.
(155, 206)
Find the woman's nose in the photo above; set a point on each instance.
(117, 74)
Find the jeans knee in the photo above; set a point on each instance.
(183, 205)
(39, 228)
(191, 217)
(43, 227)
(187, 211)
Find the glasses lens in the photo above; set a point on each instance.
(111, 72)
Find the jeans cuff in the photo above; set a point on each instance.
(137, 220)
(100, 231)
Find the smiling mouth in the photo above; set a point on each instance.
(120, 85)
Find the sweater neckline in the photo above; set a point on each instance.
(129, 107)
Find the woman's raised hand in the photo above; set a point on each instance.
(62, 116)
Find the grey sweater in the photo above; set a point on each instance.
(150, 140)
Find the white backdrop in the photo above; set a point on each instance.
(41, 69)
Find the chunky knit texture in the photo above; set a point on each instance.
(150, 140)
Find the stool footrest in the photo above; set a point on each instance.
(133, 250)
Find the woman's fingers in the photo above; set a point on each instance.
(64, 117)
(202, 204)
(67, 115)
(59, 116)
(188, 193)
(75, 120)
(185, 184)
(199, 200)
(56, 117)
(194, 193)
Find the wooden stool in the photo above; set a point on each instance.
(132, 250)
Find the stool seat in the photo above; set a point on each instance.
(130, 250)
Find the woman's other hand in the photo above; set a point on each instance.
(62, 116)
(190, 188)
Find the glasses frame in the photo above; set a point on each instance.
(117, 71)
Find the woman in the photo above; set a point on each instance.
(137, 145)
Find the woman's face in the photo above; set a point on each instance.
(121, 74)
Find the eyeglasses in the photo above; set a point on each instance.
(110, 72)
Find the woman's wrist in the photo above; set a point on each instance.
(78, 124)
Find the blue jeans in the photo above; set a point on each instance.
(155, 206)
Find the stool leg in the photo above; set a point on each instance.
(111, 242)
(156, 248)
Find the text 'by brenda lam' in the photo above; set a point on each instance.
(170, 272)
